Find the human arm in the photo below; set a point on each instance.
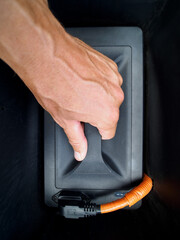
(70, 80)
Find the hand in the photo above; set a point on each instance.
(73, 82)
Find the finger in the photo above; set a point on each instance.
(77, 139)
(107, 133)
(120, 79)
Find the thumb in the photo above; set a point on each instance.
(77, 139)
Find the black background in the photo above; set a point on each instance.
(23, 214)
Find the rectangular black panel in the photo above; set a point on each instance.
(108, 163)
(111, 167)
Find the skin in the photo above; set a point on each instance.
(73, 82)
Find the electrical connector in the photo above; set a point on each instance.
(76, 205)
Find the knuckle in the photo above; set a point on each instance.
(120, 79)
(115, 65)
(112, 117)
(120, 96)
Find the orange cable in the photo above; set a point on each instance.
(131, 197)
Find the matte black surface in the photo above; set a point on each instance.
(112, 165)
(108, 163)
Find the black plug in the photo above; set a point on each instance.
(76, 205)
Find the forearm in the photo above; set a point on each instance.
(28, 31)
(70, 80)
